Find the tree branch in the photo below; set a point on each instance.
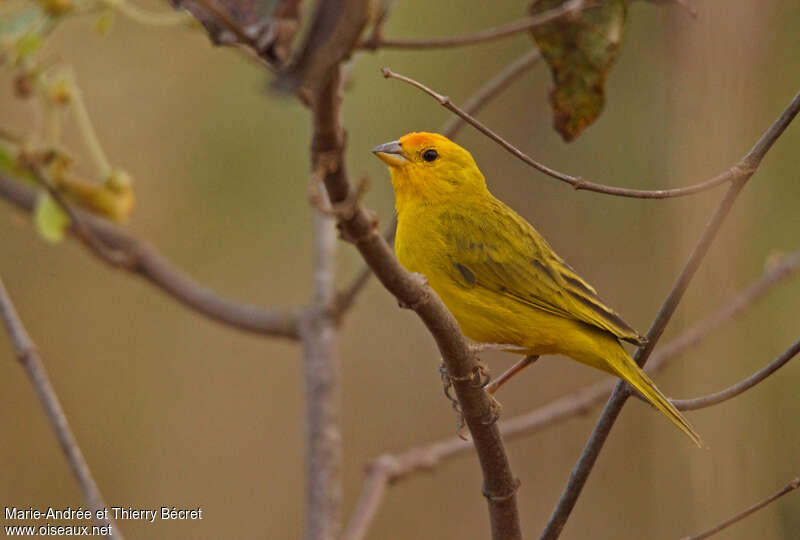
(360, 228)
(568, 9)
(149, 264)
(740, 171)
(388, 468)
(321, 372)
(741, 386)
(788, 488)
(583, 467)
(29, 358)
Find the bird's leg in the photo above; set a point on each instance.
(493, 386)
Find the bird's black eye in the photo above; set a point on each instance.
(430, 155)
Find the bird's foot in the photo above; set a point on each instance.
(480, 378)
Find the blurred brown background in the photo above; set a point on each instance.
(172, 409)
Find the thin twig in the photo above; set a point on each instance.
(567, 9)
(500, 485)
(391, 468)
(740, 387)
(321, 372)
(482, 96)
(149, 264)
(788, 488)
(29, 358)
(583, 467)
(740, 171)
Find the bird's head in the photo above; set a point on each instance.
(428, 168)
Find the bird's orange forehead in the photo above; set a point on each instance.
(419, 140)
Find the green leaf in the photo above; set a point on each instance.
(28, 44)
(51, 221)
(580, 50)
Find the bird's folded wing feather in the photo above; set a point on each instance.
(515, 261)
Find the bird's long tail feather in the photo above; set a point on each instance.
(638, 379)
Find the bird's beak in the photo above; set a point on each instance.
(390, 153)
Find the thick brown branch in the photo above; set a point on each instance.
(146, 262)
(738, 172)
(583, 467)
(566, 9)
(29, 358)
(788, 488)
(361, 229)
(388, 469)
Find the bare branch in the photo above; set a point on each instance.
(391, 468)
(462, 365)
(585, 463)
(741, 386)
(321, 372)
(587, 459)
(149, 264)
(29, 358)
(788, 488)
(483, 95)
(740, 171)
(567, 9)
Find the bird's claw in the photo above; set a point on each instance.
(480, 378)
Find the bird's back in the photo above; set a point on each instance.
(482, 258)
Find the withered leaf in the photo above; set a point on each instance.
(580, 49)
(266, 26)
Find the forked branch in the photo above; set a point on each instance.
(361, 229)
(583, 467)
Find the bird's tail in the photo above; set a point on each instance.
(625, 368)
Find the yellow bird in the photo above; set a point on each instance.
(494, 271)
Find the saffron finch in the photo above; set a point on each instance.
(495, 272)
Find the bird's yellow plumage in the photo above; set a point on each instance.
(495, 272)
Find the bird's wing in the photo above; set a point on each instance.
(514, 260)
